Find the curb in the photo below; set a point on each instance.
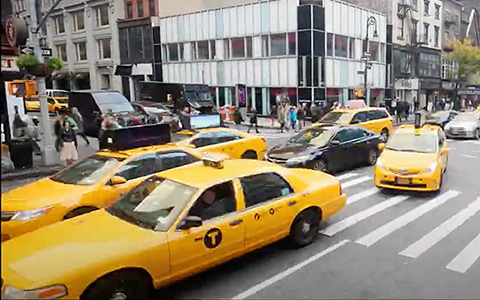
(30, 173)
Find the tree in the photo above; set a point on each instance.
(467, 59)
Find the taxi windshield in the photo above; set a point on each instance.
(59, 94)
(412, 143)
(65, 101)
(337, 117)
(88, 171)
(316, 136)
(154, 204)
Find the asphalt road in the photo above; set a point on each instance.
(382, 245)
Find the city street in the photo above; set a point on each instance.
(382, 245)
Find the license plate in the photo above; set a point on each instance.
(403, 180)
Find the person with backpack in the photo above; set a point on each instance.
(253, 120)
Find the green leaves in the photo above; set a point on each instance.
(26, 61)
(467, 57)
(55, 63)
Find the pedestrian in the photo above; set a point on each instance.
(416, 104)
(293, 117)
(69, 152)
(301, 116)
(281, 116)
(80, 130)
(407, 110)
(237, 117)
(107, 124)
(273, 113)
(286, 114)
(253, 120)
(313, 112)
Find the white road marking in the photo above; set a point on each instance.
(467, 257)
(451, 148)
(354, 219)
(347, 175)
(442, 231)
(381, 232)
(468, 156)
(362, 195)
(256, 288)
(355, 181)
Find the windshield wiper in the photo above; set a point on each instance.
(129, 218)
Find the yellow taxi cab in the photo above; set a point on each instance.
(32, 103)
(92, 183)
(415, 158)
(170, 226)
(233, 142)
(376, 119)
(56, 105)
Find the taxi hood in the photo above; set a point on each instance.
(403, 159)
(79, 245)
(41, 193)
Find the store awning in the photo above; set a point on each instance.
(123, 70)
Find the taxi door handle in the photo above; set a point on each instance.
(291, 203)
(236, 222)
(198, 239)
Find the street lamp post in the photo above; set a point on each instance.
(371, 21)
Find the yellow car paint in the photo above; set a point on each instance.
(57, 104)
(408, 170)
(77, 252)
(64, 198)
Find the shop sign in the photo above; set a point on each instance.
(448, 85)
(469, 92)
(9, 64)
(406, 84)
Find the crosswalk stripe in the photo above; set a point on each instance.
(468, 156)
(355, 181)
(362, 195)
(347, 175)
(467, 257)
(354, 219)
(381, 232)
(439, 233)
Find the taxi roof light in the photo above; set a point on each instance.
(216, 163)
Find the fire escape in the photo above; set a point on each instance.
(405, 12)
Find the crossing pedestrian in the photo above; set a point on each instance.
(301, 116)
(253, 120)
(69, 153)
(80, 130)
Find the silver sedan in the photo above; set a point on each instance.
(464, 125)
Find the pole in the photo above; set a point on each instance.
(48, 150)
(365, 75)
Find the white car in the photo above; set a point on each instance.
(465, 125)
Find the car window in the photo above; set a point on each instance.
(264, 187)
(356, 133)
(139, 167)
(225, 136)
(203, 140)
(216, 201)
(379, 114)
(51, 101)
(360, 117)
(342, 136)
(169, 160)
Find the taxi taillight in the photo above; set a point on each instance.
(263, 139)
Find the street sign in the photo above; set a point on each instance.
(46, 52)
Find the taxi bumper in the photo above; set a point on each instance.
(334, 206)
(418, 182)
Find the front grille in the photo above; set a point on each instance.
(276, 160)
(7, 215)
(417, 185)
(406, 173)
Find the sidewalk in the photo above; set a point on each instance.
(39, 169)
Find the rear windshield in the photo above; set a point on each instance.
(112, 103)
(59, 94)
(337, 117)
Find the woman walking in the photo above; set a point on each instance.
(301, 116)
(69, 152)
(293, 117)
(80, 130)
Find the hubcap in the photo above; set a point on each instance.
(373, 157)
(320, 166)
(305, 227)
(384, 136)
(119, 296)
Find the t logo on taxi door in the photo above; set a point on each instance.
(213, 238)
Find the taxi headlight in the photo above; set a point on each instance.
(432, 168)
(380, 164)
(298, 159)
(50, 292)
(25, 215)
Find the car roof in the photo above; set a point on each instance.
(200, 176)
(352, 110)
(428, 129)
(143, 150)
(93, 91)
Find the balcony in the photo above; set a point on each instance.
(451, 19)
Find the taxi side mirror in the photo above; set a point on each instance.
(116, 180)
(381, 146)
(189, 222)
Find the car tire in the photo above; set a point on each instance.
(122, 285)
(79, 211)
(384, 135)
(476, 134)
(372, 157)
(320, 165)
(304, 230)
(250, 154)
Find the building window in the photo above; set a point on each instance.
(330, 44)
(102, 16)
(213, 50)
(81, 49)
(425, 32)
(129, 10)
(437, 35)
(172, 52)
(249, 46)
(278, 44)
(351, 50)
(265, 46)
(226, 48)
(62, 52)
(341, 46)
(151, 7)
(374, 51)
(140, 8)
(415, 5)
(292, 44)
(181, 52)
(59, 24)
(45, 3)
(78, 20)
(426, 5)
(104, 49)
(437, 11)
(401, 29)
(202, 50)
(238, 47)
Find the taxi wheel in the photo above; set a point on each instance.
(250, 154)
(384, 135)
(121, 286)
(304, 230)
(320, 165)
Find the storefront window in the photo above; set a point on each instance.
(278, 44)
(330, 44)
(341, 46)
(238, 47)
(429, 65)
